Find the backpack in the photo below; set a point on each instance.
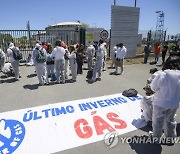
(79, 58)
(89, 74)
(50, 59)
(130, 92)
(41, 56)
(53, 77)
(17, 55)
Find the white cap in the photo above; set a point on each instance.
(11, 45)
(115, 48)
(104, 43)
(37, 46)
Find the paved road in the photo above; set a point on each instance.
(26, 93)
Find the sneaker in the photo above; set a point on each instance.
(63, 82)
(98, 79)
(57, 82)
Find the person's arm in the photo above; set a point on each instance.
(157, 82)
(124, 52)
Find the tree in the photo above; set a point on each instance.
(84, 25)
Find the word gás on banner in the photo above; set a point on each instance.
(42, 129)
(100, 125)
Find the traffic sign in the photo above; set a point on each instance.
(104, 34)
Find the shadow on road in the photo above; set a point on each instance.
(145, 148)
(31, 87)
(9, 80)
(31, 75)
(178, 129)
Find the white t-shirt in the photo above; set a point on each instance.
(166, 86)
(121, 53)
(58, 53)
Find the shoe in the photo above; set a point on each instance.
(63, 82)
(98, 79)
(57, 82)
(40, 84)
(92, 80)
(47, 83)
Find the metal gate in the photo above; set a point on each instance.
(26, 39)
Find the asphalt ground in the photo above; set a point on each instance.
(26, 93)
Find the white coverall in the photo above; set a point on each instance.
(147, 107)
(113, 58)
(73, 65)
(59, 53)
(14, 63)
(67, 65)
(166, 86)
(90, 53)
(2, 59)
(99, 62)
(40, 67)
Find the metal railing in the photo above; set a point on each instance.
(26, 39)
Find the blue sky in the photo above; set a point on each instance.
(41, 13)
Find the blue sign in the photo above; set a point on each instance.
(12, 133)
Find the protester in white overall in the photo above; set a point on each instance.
(73, 63)
(146, 103)
(2, 59)
(14, 63)
(49, 62)
(8, 70)
(29, 60)
(59, 53)
(99, 61)
(40, 66)
(66, 63)
(105, 57)
(90, 54)
(166, 86)
(113, 57)
(120, 54)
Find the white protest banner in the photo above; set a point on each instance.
(56, 127)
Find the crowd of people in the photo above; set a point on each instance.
(158, 49)
(60, 61)
(162, 99)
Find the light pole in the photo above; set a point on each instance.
(135, 3)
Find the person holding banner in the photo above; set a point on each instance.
(166, 86)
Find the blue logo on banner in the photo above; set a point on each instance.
(12, 133)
